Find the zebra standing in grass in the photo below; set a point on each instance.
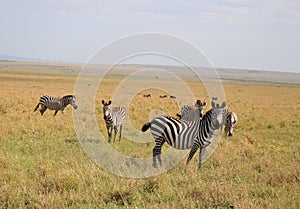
(231, 120)
(56, 104)
(113, 118)
(182, 134)
(190, 113)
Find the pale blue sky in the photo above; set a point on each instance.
(250, 34)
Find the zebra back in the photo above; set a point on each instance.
(52, 103)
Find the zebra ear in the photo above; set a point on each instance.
(213, 104)
(223, 104)
(109, 102)
(103, 102)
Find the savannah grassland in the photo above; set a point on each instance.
(42, 164)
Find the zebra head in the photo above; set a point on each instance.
(71, 99)
(200, 106)
(106, 109)
(218, 114)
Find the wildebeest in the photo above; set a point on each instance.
(147, 95)
(163, 96)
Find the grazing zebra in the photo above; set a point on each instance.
(182, 134)
(190, 113)
(231, 120)
(113, 118)
(56, 104)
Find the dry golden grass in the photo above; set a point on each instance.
(42, 164)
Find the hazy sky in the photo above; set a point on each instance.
(251, 34)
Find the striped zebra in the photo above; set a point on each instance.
(114, 118)
(190, 113)
(231, 120)
(54, 103)
(182, 134)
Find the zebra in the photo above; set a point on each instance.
(54, 103)
(231, 120)
(182, 134)
(190, 113)
(114, 118)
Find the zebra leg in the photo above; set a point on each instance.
(157, 152)
(230, 131)
(109, 133)
(192, 152)
(201, 157)
(55, 112)
(121, 126)
(116, 132)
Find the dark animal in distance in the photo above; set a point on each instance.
(163, 96)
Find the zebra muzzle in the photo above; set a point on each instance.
(217, 125)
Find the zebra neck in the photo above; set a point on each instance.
(207, 125)
(108, 118)
(65, 102)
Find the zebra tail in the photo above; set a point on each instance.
(146, 126)
(36, 107)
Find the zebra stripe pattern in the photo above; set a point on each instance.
(231, 120)
(190, 113)
(114, 118)
(54, 103)
(182, 134)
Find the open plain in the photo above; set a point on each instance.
(42, 164)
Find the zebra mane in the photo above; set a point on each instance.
(68, 96)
